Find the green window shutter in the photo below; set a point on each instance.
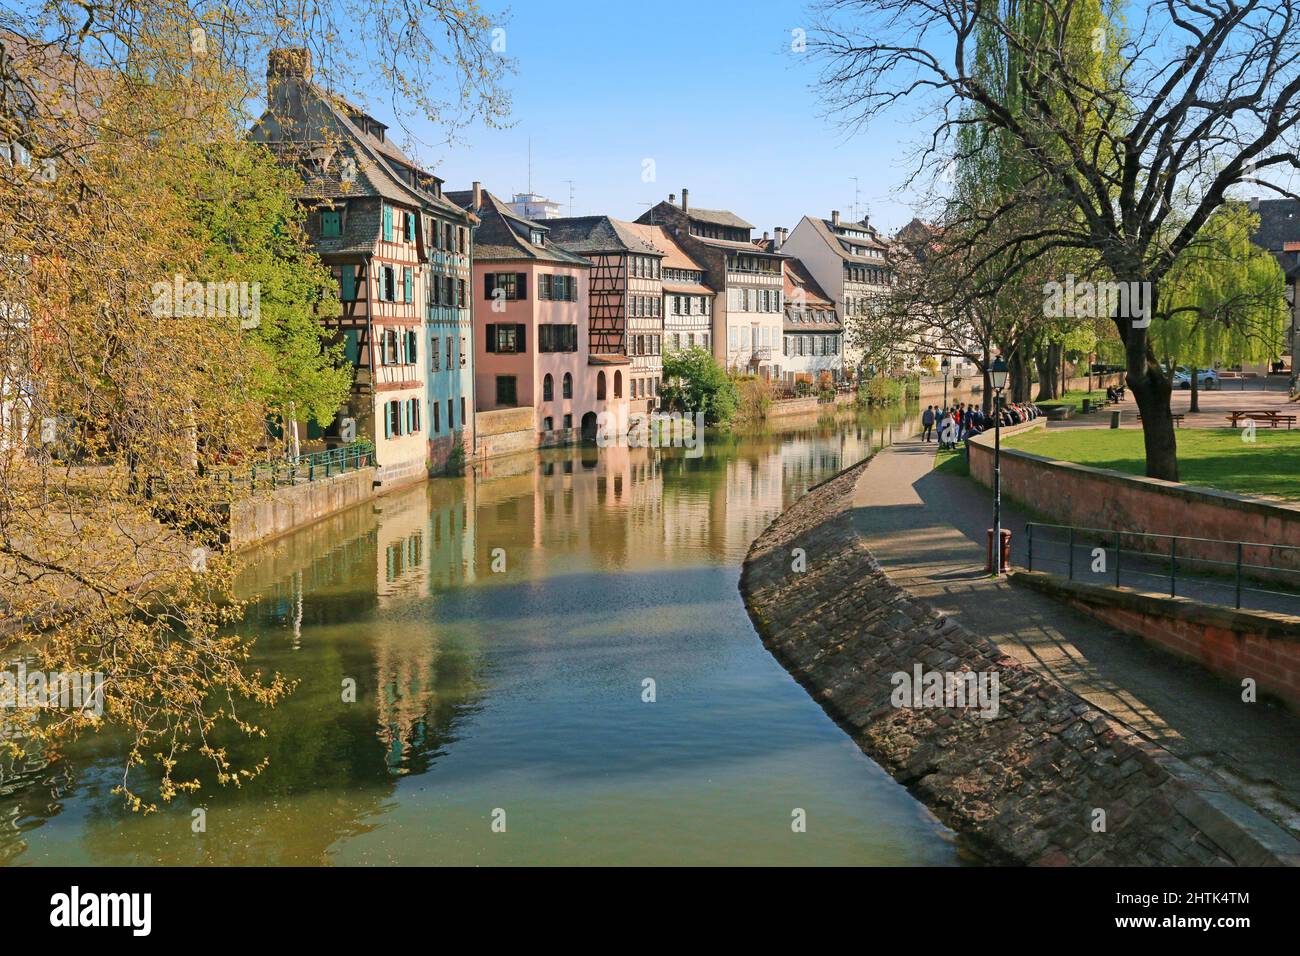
(388, 430)
(388, 223)
(352, 347)
(410, 227)
(349, 283)
(330, 224)
(407, 278)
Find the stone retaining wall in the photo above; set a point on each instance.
(1023, 785)
(1090, 497)
(1234, 644)
(261, 517)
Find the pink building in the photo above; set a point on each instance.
(531, 334)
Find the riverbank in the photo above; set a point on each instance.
(1050, 779)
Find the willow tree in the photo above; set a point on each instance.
(123, 127)
(1205, 97)
(1224, 299)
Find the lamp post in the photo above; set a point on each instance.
(946, 364)
(998, 379)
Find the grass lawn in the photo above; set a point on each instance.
(951, 461)
(1075, 399)
(1210, 457)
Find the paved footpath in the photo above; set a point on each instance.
(928, 531)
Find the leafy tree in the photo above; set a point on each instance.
(250, 226)
(1224, 299)
(1201, 99)
(694, 382)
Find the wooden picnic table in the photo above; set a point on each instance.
(1270, 415)
(1176, 416)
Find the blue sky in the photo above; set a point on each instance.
(708, 90)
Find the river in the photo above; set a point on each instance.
(504, 632)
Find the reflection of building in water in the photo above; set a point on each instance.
(400, 553)
(753, 490)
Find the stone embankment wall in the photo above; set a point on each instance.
(505, 431)
(1025, 784)
(261, 517)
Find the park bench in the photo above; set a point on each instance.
(1260, 416)
(1176, 416)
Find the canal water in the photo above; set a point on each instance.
(503, 632)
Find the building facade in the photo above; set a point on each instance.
(812, 346)
(747, 321)
(374, 217)
(850, 261)
(626, 296)
(687, 302)
(532, 335)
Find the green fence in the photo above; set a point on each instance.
(295, 471)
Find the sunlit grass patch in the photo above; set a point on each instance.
(1211, 457)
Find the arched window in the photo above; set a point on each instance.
(548, 389)
(600, 387)
(618, 384)
(568, 385)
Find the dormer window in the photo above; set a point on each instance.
(537, 237)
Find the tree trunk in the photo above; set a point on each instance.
(1151, 387)
(1196, 393)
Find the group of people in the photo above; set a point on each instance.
(1115, 393)
(958, 422)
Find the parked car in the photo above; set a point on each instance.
(1206, 378)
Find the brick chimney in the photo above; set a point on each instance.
(478, 197)
(287, 71)
(835, 217)
(686, 200)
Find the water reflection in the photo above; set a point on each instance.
(498, 630)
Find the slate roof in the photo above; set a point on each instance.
(1279, 223)
(503, 235)
(658, 238)
(818, 312)
(330, 142)
(718, 217)
(823, 228)
(595, 234)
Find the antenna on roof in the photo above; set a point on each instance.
(856, 193)
(570, 182)
(652, 206)
(530, 165)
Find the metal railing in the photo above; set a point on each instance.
(1240, 574)
(305, 468)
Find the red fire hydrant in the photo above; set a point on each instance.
(1006, 550)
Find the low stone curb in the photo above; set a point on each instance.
(1023, 785)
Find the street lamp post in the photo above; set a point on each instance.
(998, 379)
(947, 364)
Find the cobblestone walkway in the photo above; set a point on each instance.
(928, 531)
(1026, 784)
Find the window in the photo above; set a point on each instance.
(506, 338)
(413, 414)
(437, 425)
(410, 227)
(548, 424)
(392, 419)
(537, 237)
(618, 384)
(389, 287)
(388, 348)
(633, 388)
(557, 338)
(450, 340)
(462, 411)
(348, 283)
(451, 414)
(568, 421)
(548, 389)
(434, 356)
(331, 224)
(513, 285)
(388, 222)
(408, 284)
(567, 387)
(506, 394)
(412, 349)
(600, 387)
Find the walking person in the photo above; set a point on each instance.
(927, 422)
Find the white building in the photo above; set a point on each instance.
(533, 206)
(850, 261)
